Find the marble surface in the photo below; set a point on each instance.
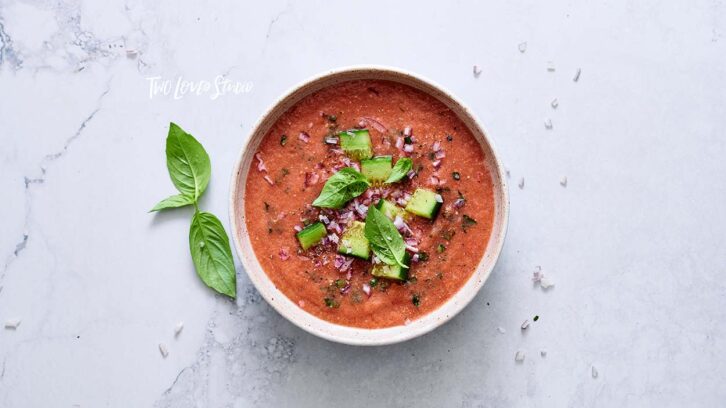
(634, 242)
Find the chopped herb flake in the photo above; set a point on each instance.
(449, 138)
(373, 282)
(416, 300)
(340, 283)
(456, 175)
(441, 248)
(423, 256)
(536, 318)
(467, 222)
(283, 140)
(331, 303)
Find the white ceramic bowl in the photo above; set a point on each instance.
(355, 335)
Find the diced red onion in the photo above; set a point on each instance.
(331, 140)
(412, 249)
(411, 174)
(434, 180)
(338, 261)
(304, 137)
(297, 228)
(349, 274)
(402, 202)
(411, 242)
(261, 164)
(311, 179)
(415, 258)
(399, 142)
(376, 124)
(407, 196)
(345, 289)
(407, 131)
(436, 146)
(337, 151)
(366, 289)
(440, 154)
(333, 238)
(284, 255)
(323, 219)
(355, 165)
(362, 210)
(438, 198)
(408, 148)
(436, 163)
(269, 180)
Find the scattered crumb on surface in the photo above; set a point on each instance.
(550, 66)
(12, 324)
(594, 372)
(546, 283)
(505, 171)
(522, 47)
(476, 70)
(501, 330)
(163, 350)
(548, 123)
(555, 103)
(577, 75)
(525, 324)
(178, 328)
(563, 181)
(519, 357)
(521, 183)
(543, 353)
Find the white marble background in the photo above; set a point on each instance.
(634, 243)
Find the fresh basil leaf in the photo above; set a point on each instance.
(400, 170)
(385, 240)
(187, 161)
(211, 254)
(341, 187)
(175, 201)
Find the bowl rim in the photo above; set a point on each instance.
(356, 335)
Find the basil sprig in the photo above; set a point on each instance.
(384, 239)
(400, 170)
(341, 187)
(190, 170)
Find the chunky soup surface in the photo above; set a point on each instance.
(301, 152)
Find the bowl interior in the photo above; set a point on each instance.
(354, 335)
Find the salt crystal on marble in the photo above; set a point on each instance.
(519, 357)
(477, 71)
(525, 324)
(555, 103)
(543, 353)
(563, 181)
(594, 372)
(163, 350)
(548, 124)
(521, 183)
(12, 324)
(546, 283)
(522, 47)
(577, 75)
(178, 328)
(501, 329)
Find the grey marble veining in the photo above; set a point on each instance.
(634, 242)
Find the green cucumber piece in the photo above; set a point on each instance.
(356, 143)
(425, 203)
(354, 241)
(391, 210)
(377, 169)
(396, 272)
(311, 235)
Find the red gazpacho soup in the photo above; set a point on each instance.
(369, 203)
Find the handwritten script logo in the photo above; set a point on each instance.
(179, 88)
